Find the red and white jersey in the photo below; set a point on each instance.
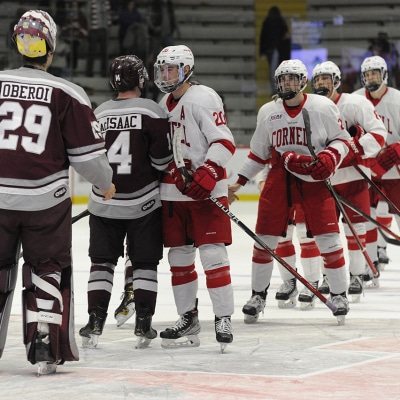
(359, 111)
(138, 146)
(201, 113)
(388, 109)
(47, 125)
(283, 129)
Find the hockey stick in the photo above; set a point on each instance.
(376, 188)
(180, 164)
(307, 125)
(83, 214)
(369, 218)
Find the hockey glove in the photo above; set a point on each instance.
(386, 159)
(355, 152)
(204, 180)
(356, 131)
(180, 183)
(297, 163)
(325, 164)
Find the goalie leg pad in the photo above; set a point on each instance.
(47, 322)
(8, 279)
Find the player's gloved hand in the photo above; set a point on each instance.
(386, 159)
(204, 180)
(356, 131)
(355, 152)
(298, 163)
(325, 164)
(180, 183)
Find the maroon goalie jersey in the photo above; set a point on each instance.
(138, 144)
(46, 126)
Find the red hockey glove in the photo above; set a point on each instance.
(297, 163)
(204, 180)
(356, 131)
(326, 164)
(355, 152)
(180, 183)
(386, 159)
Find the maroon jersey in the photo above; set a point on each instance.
(138, 144)
(46, 126)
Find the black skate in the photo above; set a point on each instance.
(286, 294)
(44, 357)
(355, 287)
(143, 328)
(342, 304)
(223, 331)
(371, 281)
(186, 326)
(307, 297)
(127, 307)
(383, 258)
(254, 306)
(94, 328)
(324, 287)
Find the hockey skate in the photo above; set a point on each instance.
(253, 307)
(286, 294)
(342, 304)
(355, 287)
(44, 358)
(127, 307)
(324, 287)
(93, 329)
(307, 297)
(186, 326)
(371, 281)
(223, 331)
(143, 328)
(383, 259)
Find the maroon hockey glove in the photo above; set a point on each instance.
(204, 180)
(297, 163)
(180, 183)
(326, 164)
(386, 159)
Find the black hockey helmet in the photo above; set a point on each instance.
(126, 72)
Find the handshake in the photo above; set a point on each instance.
(320, 168)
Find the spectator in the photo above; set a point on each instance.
(99, 22)
(128, 39)
(275, 42)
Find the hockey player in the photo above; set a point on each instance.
(297, 178)
(190, 220)
(369, 135)
(385, 168)
(41, 118)
(138, 147)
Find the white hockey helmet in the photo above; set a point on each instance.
(290, 67)
(374, 63)
(173, 55)
(326, 68)
(34, 29)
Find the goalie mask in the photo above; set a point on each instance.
(33, 31)
(375, 63)
(290, 78)
(169, 68)
(127, 72)
(321, 86)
